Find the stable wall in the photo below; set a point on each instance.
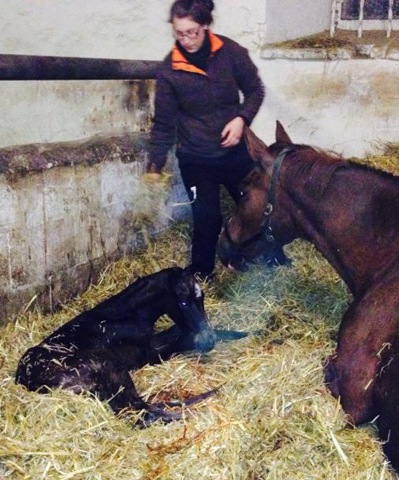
(349, 106)
(61, 111)
(287, 19)
(67, 209)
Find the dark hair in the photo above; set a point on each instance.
(199, 10)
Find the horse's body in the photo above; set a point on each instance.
(351, 214)
(95, 351)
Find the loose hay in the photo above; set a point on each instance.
(272, 419)
(387, 159)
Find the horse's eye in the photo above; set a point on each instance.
(183, 304)
(242, 194)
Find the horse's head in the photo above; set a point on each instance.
(189, 312)
(250, 231)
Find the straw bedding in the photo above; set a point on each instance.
(273, 418)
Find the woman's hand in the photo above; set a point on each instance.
(151, 178)
(232, 132)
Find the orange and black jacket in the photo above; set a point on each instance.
(198, 104)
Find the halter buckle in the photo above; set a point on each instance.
(268, 210)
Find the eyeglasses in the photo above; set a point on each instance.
(191, 34)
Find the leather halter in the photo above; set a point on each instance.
(266, 228)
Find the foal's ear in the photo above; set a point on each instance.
(281, 135)
(257, 150)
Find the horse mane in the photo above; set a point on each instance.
(315, 168)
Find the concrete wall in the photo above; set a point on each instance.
(138, 29)
(126, 29)
(59, 226)
(348, 106)
(59, 111)
(90, 28)
(66, 209)
(287, 19)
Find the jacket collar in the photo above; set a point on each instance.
(179, 62)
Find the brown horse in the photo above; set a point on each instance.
(351, 214)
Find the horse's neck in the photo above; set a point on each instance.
(337, 220)
(151, 296)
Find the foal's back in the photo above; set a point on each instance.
(125, 318)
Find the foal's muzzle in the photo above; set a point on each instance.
(205, 340)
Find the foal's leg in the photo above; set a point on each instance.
(368, 327)
(103, 374)
(99, 372)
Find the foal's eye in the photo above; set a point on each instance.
(183, 304)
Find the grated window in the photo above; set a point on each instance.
(365, 15)
(373, 9)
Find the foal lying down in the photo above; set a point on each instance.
(95, 351)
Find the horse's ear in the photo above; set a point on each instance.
(257, 150)
(281, 135)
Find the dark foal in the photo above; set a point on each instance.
(95, 351)
(350, 213)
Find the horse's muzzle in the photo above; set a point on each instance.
(230, 256)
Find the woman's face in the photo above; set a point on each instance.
(190, 34)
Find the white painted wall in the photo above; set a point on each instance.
(126, 29)
(131, 29)
(287, 19)
(345, 105)
(138, 29)
(61, 111)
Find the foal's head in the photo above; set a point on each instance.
(188, 310)
(248, 232)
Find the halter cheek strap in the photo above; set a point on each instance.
(272, 194)
(266, 229)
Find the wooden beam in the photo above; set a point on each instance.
(30, 67)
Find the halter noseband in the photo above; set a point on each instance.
(266, 228)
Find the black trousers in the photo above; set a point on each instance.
(202, 178)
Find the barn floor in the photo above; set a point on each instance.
(272, 419)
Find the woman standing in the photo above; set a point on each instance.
(198, 97)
